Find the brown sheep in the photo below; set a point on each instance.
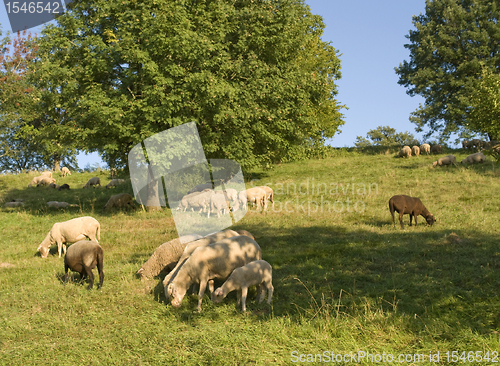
(82, 257)
(409, 205)
(436, 149)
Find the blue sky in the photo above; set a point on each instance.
(370, 36)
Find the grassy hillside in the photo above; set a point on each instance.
(345, 279)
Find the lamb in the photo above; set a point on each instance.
(13, 204)
(197, 200)
(53, 185)
(83, 256)
(425, 148)
(45, 181)
(56, 204)
(218, 204)
(257, 195)
(92, 182)
(63, 186)
(409, 205)
(436, 149)
(405, 152)
(257, 273)
(122, 200)
(114, 183)
(165, 257)
(65, 171)
(70, 231)
(446, 160)
(215, 260)
(269, 193)
(191, 247)
(474, 158)
(35, 181)
(415, 150)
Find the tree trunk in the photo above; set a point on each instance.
(57, 162)
(153, 202)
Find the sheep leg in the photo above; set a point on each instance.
(211, 289)
(59, 247)
(261, 293)
(244, 292)
(89, 273)
(401, 219)
(270, 290)
(415, 216)
(411, 217)
(203, 286)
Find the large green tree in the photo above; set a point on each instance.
(253, 74)
(451, 44)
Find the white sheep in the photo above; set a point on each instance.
(191, 247)
(446, 160)
(65, 171)
(114, 183)
(57, 204)
(474, 158)
(242, 197)
(405, 152)
(122, 200)
(70, 231)
(257, 273)
(14, 204)
(199, 200)
(415, 150)
(269, 193)
(165, 257)
(82, 257)
(257, 195)
(425, 148)
(35, 181)
(215, 260)
(92, 182)
(46, 174)
(218, 203)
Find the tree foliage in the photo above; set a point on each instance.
(453, 41)
(254, 75)
(385, 136)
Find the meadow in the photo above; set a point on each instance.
(347, 282)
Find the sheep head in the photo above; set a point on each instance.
(44, 247)
(430, 219)
(176, 293)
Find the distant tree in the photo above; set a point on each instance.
(453, 41)
(254, 75)
(484, 113)
(387, 137)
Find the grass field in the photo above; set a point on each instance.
(345, 279)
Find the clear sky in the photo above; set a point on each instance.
(370, 36)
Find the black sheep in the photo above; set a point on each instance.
(63, 186)
(409, 205)
(82, 257)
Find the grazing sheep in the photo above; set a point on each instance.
(215, 260)
(45, 181)
(257, 273)
(218, 204)
(114, 183)
(436, 149)
(269, 193)
(70, 231)
(474, 158)
(257, 195)
(82, 257)
(165, 257)
(63, 186)
(231, 196)
(425, 148)
(65, 171)
(197, 200)
(191, 247)
(405, 152)
(13, 204)
(53, 185)
(446, 160)
(122, 200)
(242, 197)
(201, 187)
(415, 150)
(56, 204)
(409, 205)
(35, 181)
(92, 182)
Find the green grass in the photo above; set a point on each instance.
(345, 279)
